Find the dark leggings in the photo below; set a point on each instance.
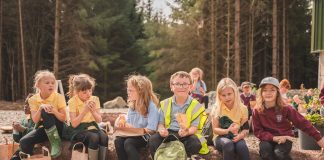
(127, 147)
(231, 150)
(92, 138)
(39, 135)
(273, 150)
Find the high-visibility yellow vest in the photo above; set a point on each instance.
(194, 110)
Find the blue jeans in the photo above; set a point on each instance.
(232, 150)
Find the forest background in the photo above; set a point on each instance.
(111, 39)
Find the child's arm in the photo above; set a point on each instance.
(185, 132)
(95, 110)
(76, 120)
(36, 115)
(59, 114)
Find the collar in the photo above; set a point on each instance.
(40, 100)
(188, 101)
(78, 101)
(246, 95)
(225, 108)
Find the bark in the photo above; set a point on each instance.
(237, 59)
(251, 45)
(228, 37)
(22, 51)
(1, 25)
(274, 40)
(56, 37)
(213, 47)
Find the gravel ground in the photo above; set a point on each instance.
(8, 116)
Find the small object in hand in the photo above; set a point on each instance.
(182, 120)
(122, 121)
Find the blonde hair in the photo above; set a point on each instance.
(222, 84)
(145, 92)
(39, 75)
(260, 101)
(180, 74)
(80, 82)
(199, 71)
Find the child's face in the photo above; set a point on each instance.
(195, 75)
(85, 95)
(269, 93)
(227, 96)
(132, 93)
(180, 86)
(246, 89)
(283, 90)
(46, 85)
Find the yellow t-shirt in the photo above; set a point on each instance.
(76, 105)
(236, 114)
(55, 99)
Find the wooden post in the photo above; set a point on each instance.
(321, 69)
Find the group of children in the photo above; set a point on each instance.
(48, 114)
(271, 117)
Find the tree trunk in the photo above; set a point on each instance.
(274, 40)
(56, 37)
(251, 47)
(1, 25)
(284, 54)
(228, 37)
(213, 47)
(22, 50)
(237, 59)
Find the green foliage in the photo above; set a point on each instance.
(315, 119)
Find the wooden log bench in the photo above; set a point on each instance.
(111, 153)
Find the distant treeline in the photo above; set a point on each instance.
(110, 39)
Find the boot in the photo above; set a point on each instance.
(15, 156)
(93, 154)
(55, 141)
(102, 152)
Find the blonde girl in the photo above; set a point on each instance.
(142, 113)
(85, 114)
(48, 113)
(272, 122)
(228, 104)
(198, 88)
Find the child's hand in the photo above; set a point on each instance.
(121, 121)
(202, 91)
(280, 139)
(234, 128)
(47, 108)
(18, 127)
(52, 110)
(321, 143)
(91, 105)
(163, 132)
(183, 132)
(237, 137)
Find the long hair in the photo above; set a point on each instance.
(222, 84)
(145, 92)
(260, 101)
(39, 75)
(199, 71)
(80, 82)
